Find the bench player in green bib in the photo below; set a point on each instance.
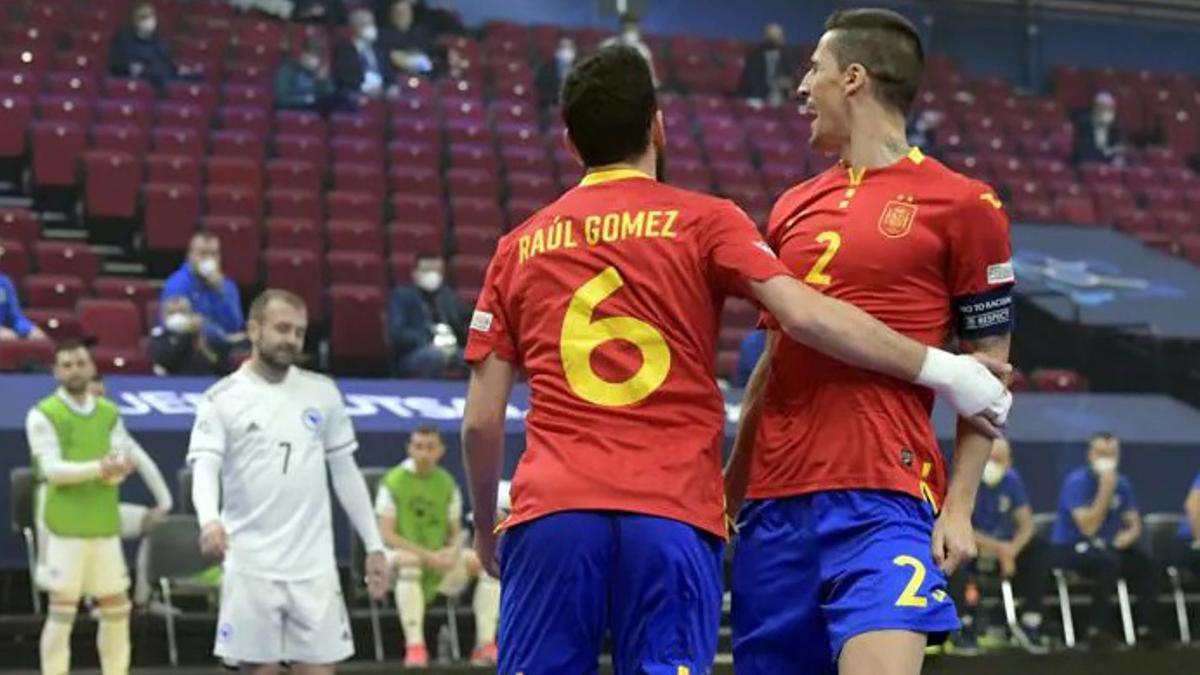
(79, 447)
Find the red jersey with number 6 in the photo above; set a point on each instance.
(921, 248)
(610, 299)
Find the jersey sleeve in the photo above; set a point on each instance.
(208, 431)
(339, 430)
(980, 271)
(735, 253)
(491, 331)
(384, 504)
(1017, 492)
(455, 510)
(1128, 500)
(1074, 495)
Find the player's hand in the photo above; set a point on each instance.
(1006, 556)
(441, 561)
(153, 517)
(485, 548)
(953, 541)
(114, 468)
(1107, 480)
(974, 385)
(379, 575)
(213, 540)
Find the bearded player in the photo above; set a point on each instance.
(850, 529)
(609, 298)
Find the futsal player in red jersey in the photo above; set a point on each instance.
(609, 299)
(850, 526)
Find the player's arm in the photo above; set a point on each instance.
(972, 447)
(348, 482)
(385, 509)
(206, 454)
(987, 543)
(43, 445)
(737, 470)
(1023, 518)
(483, 436)
(1191, 508)
(454, 538)
(1131, 525)
(145, 466)
(849, 334)
(1089, 516)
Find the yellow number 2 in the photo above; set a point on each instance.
(909, 597)
(581, 336)
(816, 276)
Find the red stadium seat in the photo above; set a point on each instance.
(173, 169)
(240, 247)
(19, 225)
(295, 234)
(476, 241)
(67, 258)
(178, 141)
(358, 177)
(129, 89)
(354, 235)
(300, 272)
(134, 289)
(234, 172)
(354, 205)
(472, 183)
(478, 213)
(233, 201)
(111, 183)
(171, 211)
(15, 115)
(251, 120)
(300, 122)
(293, 174)
(115, 324)
(468, 270)
(57, 147)
(181, 116)
(1057, 379)
(234, 143)
(301, 204)
(14, 260)
(120, 138)
(306, 148)
(131, 113)
(418, 208)
(360, 268)
(53, 291)
(26, 355)
(415, 180)
(358, 325)
(415, 237)
(356, 151)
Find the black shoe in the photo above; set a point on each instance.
(1036, 641)
(965, 642)
(1151, 639)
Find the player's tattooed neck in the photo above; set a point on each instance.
(896, 147)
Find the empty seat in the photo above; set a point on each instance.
(15, 115)
(57, 147)
(114, 323)
(233, 201)
(301, 204)
(359, 177)
(362, 268)
(347, 205)
(357, 325)
(53, 291)
(240, 247)
(14, 260)
(21, 225)
(303, 147)
(476, 241)
(233, 143)
(469, 270)
(354, 235)
(294, 233)
(234, 172)
(137, 290)
(177, 141)
(300, 272)
(119, 137)
(173, 169)
(170, 214)
(26, 355)
(1058, 379)
(293, 174)
(415, 237)
(111, 182)
(67, 258)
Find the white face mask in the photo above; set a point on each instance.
(207, 267)
(429, 280)
(993, 473)
(147, 27)
(630, 35)
(178, 322)
(566, 55)
(368, 34)
(1104, 464)
(1106, 117)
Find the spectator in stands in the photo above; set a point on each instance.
(749, 352)
(427, 323)
(768, 75)
(922, 131)
(138, 51)
(360, 66)
(408, 46)
(303, 83)
(1008, 545)
(1188, 556)
(1098, 138)
(551, 74)
(178, 345)
(1097, 531)
(420, 512)
(326, 12)
(13, 323)
(631, 36)
(212, 296)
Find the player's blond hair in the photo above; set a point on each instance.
(259, 307)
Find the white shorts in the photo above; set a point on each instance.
(268, 621)
(79, 566)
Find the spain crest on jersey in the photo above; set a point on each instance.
(897, 219)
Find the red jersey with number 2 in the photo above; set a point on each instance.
(921, 248)
(610, 299)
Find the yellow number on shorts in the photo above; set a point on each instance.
(581, 336)
(909, 597)
(816, 276)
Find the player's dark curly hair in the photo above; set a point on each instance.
(884, 43)
(608, 103)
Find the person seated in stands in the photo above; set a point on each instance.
(1008, 546)
(1096, 534)
(427, 323)
(14, 325)
(630, 35)
(551, 74)
(303, 83)
(212, 296)
(360, 66)
(326, 12)
(178, 345)
(1098, 137)
(1188, 554)
(419, 506)
(138, 51)
(408, 47)
(768, 75)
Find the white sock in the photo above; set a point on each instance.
(112, 640)
(410, 602)
(56, 640)
(487, 609)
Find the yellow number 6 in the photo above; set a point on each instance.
(909, 597)
(581, 336)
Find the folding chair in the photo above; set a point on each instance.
(1163, 529)
(184, 478)
(175, 557)
(21, 487)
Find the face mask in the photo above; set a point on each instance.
(310, 63)
(207, 267)
(993, 473)
(1104, 464)
(429, 280)
(1106, 117)
(630, 35)
(146, 26)
(566, 55)
(369, 33)
(177, 322)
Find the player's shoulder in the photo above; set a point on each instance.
(317, 381)
(790, 199)
(223, 386)
(956, 187)
(1078, 476)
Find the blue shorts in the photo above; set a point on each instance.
(568, 578)
(812, 571)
